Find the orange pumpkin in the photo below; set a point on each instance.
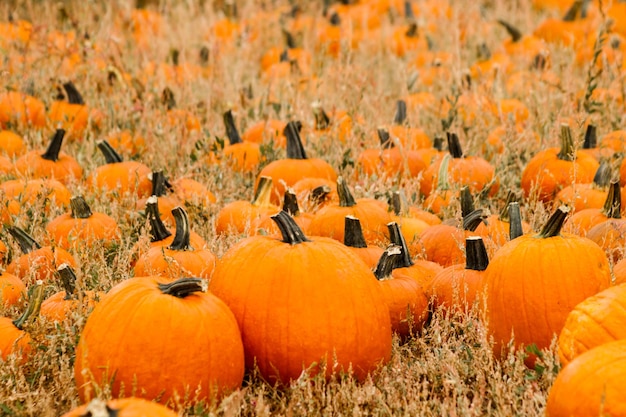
(21, 109)
(73, 115)
(60, 305)
(123, 407)
(14, 340)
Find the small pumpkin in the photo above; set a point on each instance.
(14, 340)
(59, 306)
(123, 407)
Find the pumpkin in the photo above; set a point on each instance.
(315, 193)
(37, 194)
(148, 319)
(73, 115)
(586, 196)
(562, 269)
(14, 340)
(193, 192)
(582, 221)
(591, 385)
(610, 235)
(497, 226)
(265, 225)
(21, 109)
(354, 239)
(123, 407)
(166, 202)
(322, 301)
(241, 155)
(12, 290)
(60, 305)
(82, 228)
(270, 130)
(179, 259)
(11, 144)
(51, 164)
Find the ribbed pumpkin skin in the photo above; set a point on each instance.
(162, 343)
(597, 320)
(533, 283)
(591, 385)
(128, 407)
(13, 340)
(297, 305)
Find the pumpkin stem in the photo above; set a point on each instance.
(290, 41)
(567, 152)
(322, 121)
(514, 33)
(412, 31)
(290, 203)
(263, 192)
(555, 223)
(442, 175)
(573, 11)
(384, 138)
(515, 221)
(80, 208)
(27, 242)
(68, 280)
(467, 201)
(183, 287)
(401, 115)
(168, 98)
(158, 183)
(290, 231)
(295, 149)
(158, 231)
(454, 145)
(110, 155)
(231, 128)
(99, 408)
(319, 194)
(504, 213)
(346, 199)
(54, 148)
(591, 138)
(602, 177)
(408, 11)
(397, 238)
(181, 238)
(613, 204)
(35, 298)
(353, 233)
(73, 96)
(476, 254)
(438, 143)
(399, 203)
(473, 220)
(388, 262)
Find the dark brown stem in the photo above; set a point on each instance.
(263, 192)
(438, 143)
(467, 201)
(603, 175)
(68, 280)
(168, 98)
(35, 298)
(476, 254)
(290, 41)
(158, 183)
(613, 204)
(54, 148)
(231, 128)
(183, 287)
(397, 238)
(400, 116)
(322, 121)
(295, 149)
(399, 203)
(567, 152)
(515, 221)
(573, 11)
(181, 238)
(73, 96)
(384, 138)
(473, 220)
(504, 213)
(412, 31)
(80, 208)
(318, 194)
(408, 11)
(158, 231)
(555, 223)
(454, 145)
(591, 138)
(110, 155)
(290, 203)
(27, 242)
(388, 262)
(290, 231)
(514, 33)
(353, 233)
(346, 199)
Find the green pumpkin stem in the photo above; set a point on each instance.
(401, 113)
(454, 145)
(110, 155)
(555, 223)
(295, 149)
(158, 231)
(467, 201)
(567, 152)
(68, 280)
(353, 233)
(73, 96)
(388, 262)
(27, 242)
(183, 287)
(181, 238)
(263, 192)
(476, 254)
(346, 199)
(54, 148)
(473, 220)
(290, 231)
(442, 174)
(515, 221)
(322, 121)
(384, 138)
(80, 208)
(591, 138)
(290, 203)
(231, 128)
(35, 298)
(397, 238)
(613, 204)
(514, 33)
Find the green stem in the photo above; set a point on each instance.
(263, 192)
(397, 238)
(602, 177)
(110, 155)
(504, 213)
(183, 287)
(231, 128)
(158, 231)
(80, 208)
(295, 149)
(290, 231)
(353, 233)
(73, 96)
(181, 238)
(555, 223)
(388, 262)
(35, 298)
(442, 174)
(567, 152)
(68, 280)
(54, 148)
(27, 242)
(613, 204)
(476, 254)
(346, 199)
(515, 221)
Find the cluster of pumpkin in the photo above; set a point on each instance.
(322, 279)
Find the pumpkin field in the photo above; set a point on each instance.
(283, 207)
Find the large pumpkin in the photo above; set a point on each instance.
(301, 302)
